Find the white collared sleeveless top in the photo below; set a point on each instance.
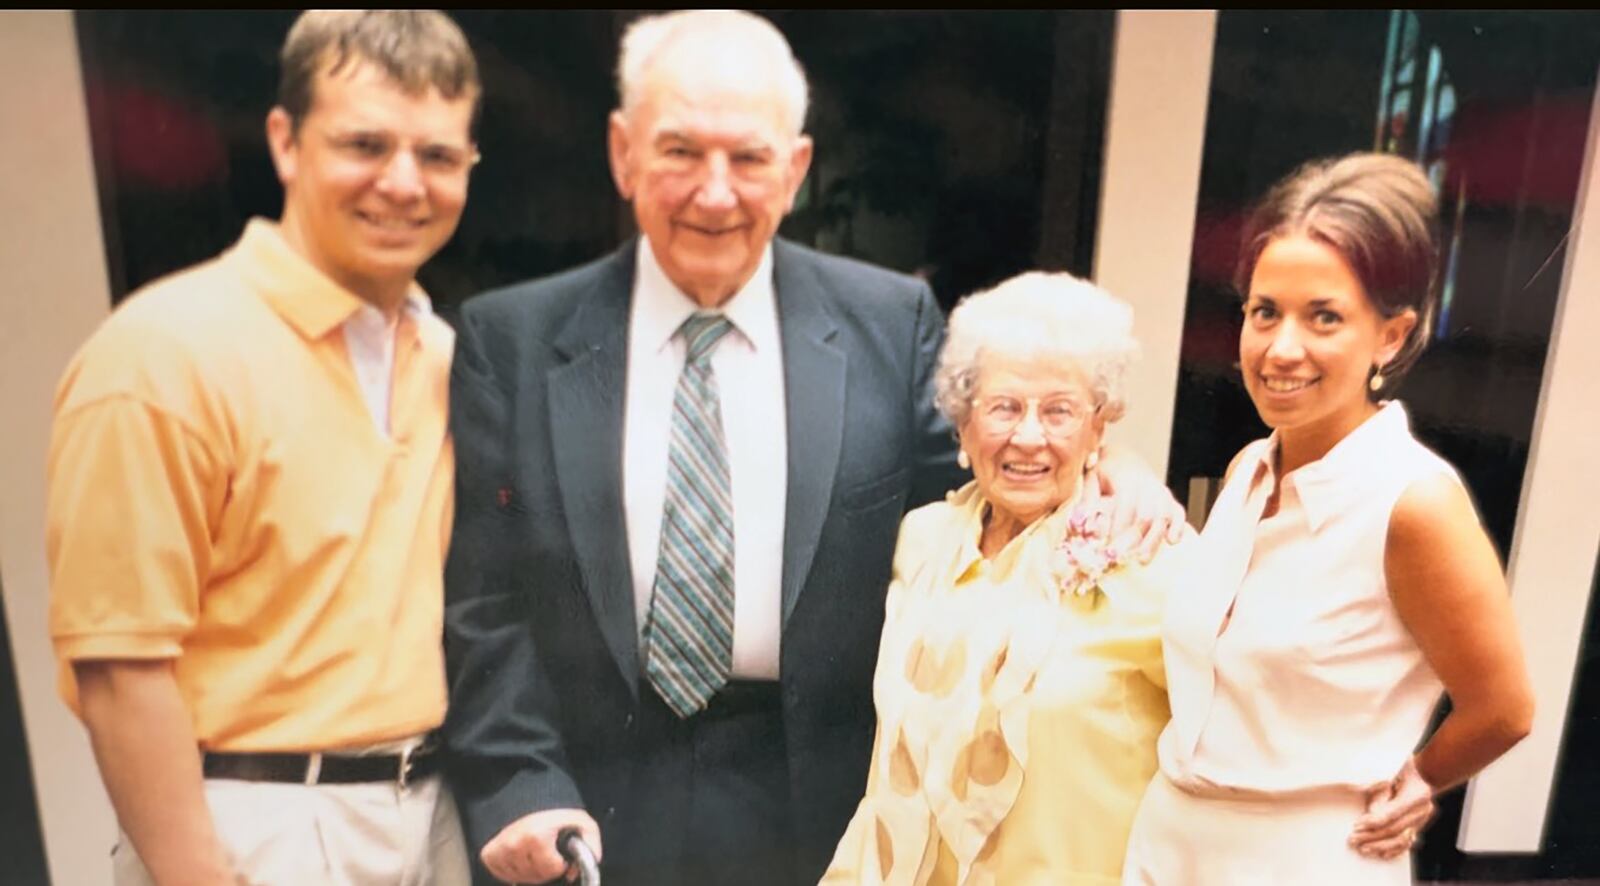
(1315, 682)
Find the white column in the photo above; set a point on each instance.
(1155, 133)
(1552, 561)
(53, 291)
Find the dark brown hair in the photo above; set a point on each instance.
(1379, 213)
(417, 48)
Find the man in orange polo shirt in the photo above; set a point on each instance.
(250, 487)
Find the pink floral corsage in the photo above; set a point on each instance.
(1084, 557)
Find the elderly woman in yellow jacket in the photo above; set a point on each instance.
(1019, 685)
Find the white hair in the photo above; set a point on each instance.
(1043, 317)
(654, 38)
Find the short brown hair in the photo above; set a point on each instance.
(1379, 213)
(417, 48)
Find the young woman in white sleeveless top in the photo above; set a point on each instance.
(1347, 580)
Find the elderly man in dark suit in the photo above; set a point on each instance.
(681, 469)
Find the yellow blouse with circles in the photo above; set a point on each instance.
(1017, 720)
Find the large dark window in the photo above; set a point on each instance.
(961, 146)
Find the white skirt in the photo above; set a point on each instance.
(1180, 839)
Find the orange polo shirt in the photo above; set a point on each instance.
(220, 496)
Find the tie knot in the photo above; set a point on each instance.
(701, 332)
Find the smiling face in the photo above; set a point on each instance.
(374, 178)
(711, 169)
(1031, 427)
(1311, 337)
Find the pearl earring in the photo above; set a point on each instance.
(1092, 460)
(963, 460)
(1376, 382)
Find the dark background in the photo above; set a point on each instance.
(962, 146)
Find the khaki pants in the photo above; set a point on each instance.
(309, 835)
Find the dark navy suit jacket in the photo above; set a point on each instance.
(543, 655)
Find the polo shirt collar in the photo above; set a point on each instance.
(306, 298)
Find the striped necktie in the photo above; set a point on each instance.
(689, 633)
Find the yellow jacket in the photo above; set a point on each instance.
(1017, 720)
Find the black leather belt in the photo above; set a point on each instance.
(323, 768)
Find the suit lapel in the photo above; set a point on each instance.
(587, 397)
(814, 372)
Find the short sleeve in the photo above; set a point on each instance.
(132, 493)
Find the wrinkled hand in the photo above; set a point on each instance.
(525, 850)
(1397, 810)
(1144, 515)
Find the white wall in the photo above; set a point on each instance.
(1155, 134)
(1552, 561)
(53, 291)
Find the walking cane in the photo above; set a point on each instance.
(577, 852)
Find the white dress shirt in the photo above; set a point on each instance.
(748, 364)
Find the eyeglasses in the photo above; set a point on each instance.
(378, 148)
(1001, 414)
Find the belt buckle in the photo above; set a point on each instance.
(406, 756)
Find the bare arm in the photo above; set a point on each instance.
(1448, 588)
(148, 758)
(1458, 609)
